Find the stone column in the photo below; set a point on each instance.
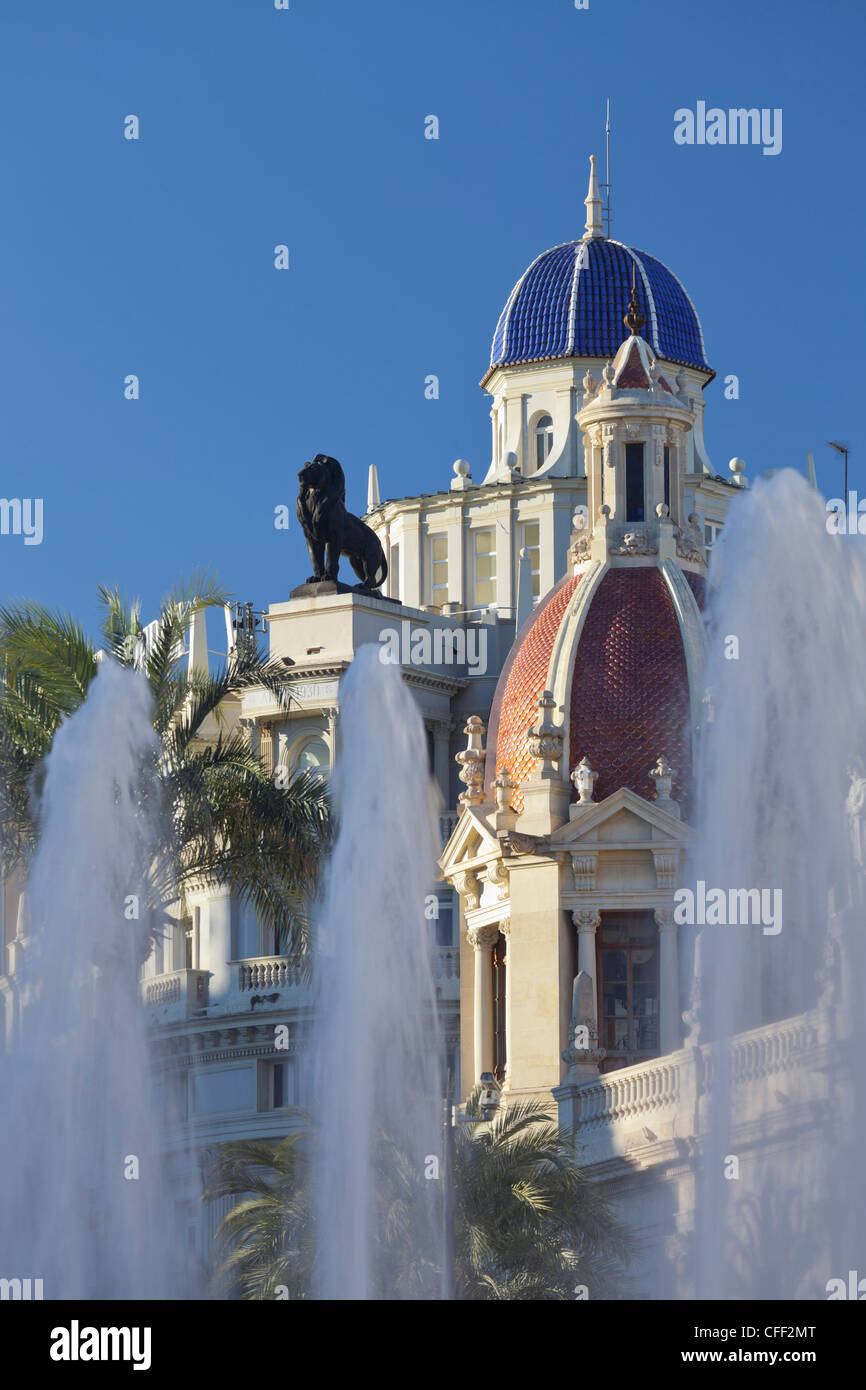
(218, 944)
(441, 760)
(482, 940)
(670, 1039)
(587, 921)
(331, 716)
(267, 747)
(505, 929)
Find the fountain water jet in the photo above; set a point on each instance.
(789, 721)
(378, 1077)
(78, 1120)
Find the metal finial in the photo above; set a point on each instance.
(634, 319)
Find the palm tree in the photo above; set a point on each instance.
(225, 818)
(266, 1241)
(528, 1224)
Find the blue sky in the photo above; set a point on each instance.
(306, 127)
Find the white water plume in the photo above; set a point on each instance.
(82, 1199)
(781, 1004)
(378, 1082)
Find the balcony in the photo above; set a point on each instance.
(446, 972)
(769, 1070)
(260, 983)
(178, 995)
(268, 973)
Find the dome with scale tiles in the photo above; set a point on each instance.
(571, 301)
(625, 677)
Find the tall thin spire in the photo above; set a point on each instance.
(593, 203)
(607, 185)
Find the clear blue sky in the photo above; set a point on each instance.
(306, 127)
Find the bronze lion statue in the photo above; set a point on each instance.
(330, 531)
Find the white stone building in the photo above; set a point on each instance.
(562, 591)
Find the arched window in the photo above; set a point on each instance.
(542, 440)
(313, 756)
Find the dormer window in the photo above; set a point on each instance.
(542, 440)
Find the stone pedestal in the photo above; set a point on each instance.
(324, 588)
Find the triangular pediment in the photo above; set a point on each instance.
(472, 841)
(623, 818)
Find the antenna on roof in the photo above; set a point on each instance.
(607, 184)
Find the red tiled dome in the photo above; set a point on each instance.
(698, 585)
(630, 692)
(523, 678)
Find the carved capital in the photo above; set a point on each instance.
(441, 728)
(665, 919)
(483, 938)
(587, 919)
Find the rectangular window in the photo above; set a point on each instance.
(711, 534)
(438, 559)
(484, 567)
(283, 1085)
(230, 1089)
(443, 924)
(634, 484)
(245, 932)
(667, 467)
(530, 539)
(628, 995)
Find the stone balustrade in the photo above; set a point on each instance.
(767, 1051)
(446, 963)
(179, 994)
(447, 822)
(269, 972)
(664, 1096)
(629, 1092)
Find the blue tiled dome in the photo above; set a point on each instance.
(572, 300)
